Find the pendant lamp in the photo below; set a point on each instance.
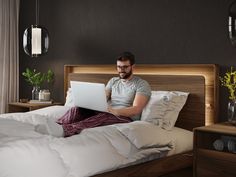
(232, 23)
(36, 38)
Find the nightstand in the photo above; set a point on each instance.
(24, 107)
(208, 161)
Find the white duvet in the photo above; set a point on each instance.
(32, 145)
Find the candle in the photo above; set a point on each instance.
(44, 95)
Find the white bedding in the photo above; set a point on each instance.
(31, 144)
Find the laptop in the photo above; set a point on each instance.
(89, 95)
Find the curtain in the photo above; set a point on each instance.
(9, 53)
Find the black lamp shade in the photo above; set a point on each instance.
(35, 41)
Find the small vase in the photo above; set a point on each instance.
(35, 93)
(232, 112)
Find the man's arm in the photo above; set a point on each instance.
(139, 103)
(108, 94)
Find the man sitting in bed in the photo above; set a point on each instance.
(128, 95)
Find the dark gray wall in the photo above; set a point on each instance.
(156, 31)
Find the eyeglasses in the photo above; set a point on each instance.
(123, 67)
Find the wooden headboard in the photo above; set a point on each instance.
(200, 80)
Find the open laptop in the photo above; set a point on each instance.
(89, 95)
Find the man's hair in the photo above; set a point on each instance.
(127, 56)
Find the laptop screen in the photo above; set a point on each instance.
(89, 95)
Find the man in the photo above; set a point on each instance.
(128, 95)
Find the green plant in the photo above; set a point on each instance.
(229, 81)
(35, 78)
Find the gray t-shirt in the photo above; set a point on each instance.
(123, 93)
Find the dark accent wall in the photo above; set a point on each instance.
(156, 31)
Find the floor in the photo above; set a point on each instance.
(188, 172)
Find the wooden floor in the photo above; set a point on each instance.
(188, 172)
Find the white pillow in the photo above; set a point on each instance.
(163, 108)
(144, 134)
(69, 98)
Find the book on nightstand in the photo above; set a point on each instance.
(41, 102)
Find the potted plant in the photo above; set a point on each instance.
(36, 79)
(229, 81)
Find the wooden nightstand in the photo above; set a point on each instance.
(24, 107)
(208, 161)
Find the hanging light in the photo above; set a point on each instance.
(35, 38)
(232, 23)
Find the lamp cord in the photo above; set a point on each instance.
(37, 12)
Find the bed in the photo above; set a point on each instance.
(32, 144)
(200, 80)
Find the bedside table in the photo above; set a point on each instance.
(208, 161)
(24, 107)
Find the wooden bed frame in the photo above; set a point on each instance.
(200, 80)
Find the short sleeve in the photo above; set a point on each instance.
(109, 84)
(144, 88)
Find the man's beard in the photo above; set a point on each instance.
(124, 75)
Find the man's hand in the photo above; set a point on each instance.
(112, 111)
